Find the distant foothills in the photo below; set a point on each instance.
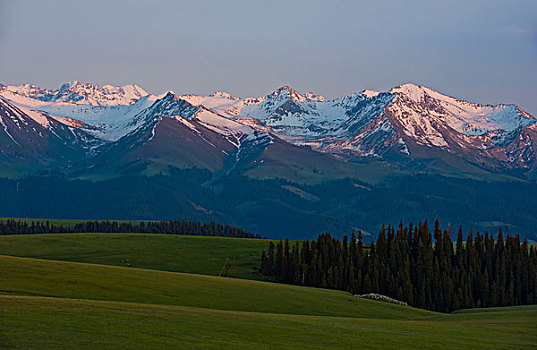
(284, 164)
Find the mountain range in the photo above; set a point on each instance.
(108, 130)
(86, 132)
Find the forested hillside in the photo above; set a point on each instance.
(184, 227)
(409, 263)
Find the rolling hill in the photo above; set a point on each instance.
(175, 253)
(58, 323)
(52, 304)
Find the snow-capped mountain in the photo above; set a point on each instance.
(190, 115)
(106, 122)
(407, 123)
(166, 127)
(83, 93)
(223, 103)
(171, 132)
(30, 140)
(483, 135)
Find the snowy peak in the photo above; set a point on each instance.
(498, 138)
(462, 116)
(171, 105)
(29, 90)
(176, 107)
(221, 102)
(224, 95)
(370, 93)
(423, 94)
(287, 93)
(133, 90)
(97, 96)
(170, 96)
(314, 97)
(282, 101)
(83, 93)
(414, 92)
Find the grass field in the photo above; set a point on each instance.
(192, 254)
(25, 276)
(54, 323)
(45, 305)
(51, 304)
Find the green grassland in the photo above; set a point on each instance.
(25, 276)
(85, 302)
(46, 305)
(54, 323)
(192, 254)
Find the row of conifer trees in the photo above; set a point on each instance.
(410, 264)
(184, 227)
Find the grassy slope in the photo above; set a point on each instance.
(192, 254)
(51, 323)
(24, 276)
(302, 165)
(135, 308)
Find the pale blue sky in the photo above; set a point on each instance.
(482, 51)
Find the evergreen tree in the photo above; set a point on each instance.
(278, 261)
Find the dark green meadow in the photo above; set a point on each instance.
(36, 277)
(57, 323)
(192, 254)
(170, 297)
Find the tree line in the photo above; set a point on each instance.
(176, 227)
(410, 264)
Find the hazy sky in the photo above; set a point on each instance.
(482, 51)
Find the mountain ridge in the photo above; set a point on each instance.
(405, 124)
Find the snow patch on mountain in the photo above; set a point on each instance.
(233, 130)
(18, 115)
(109, 123)
(37, 116)
(221, 102)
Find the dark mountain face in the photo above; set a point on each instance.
(31, 142)
(162, 143)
